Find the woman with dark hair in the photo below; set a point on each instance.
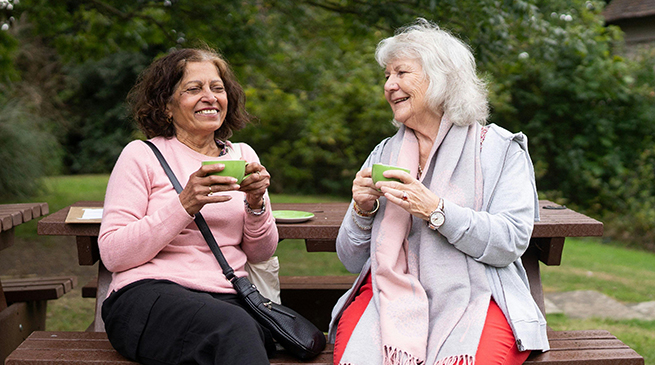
(169, 301)
(439, 250)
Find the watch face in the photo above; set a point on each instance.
(437, 218)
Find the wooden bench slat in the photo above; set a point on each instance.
(69, 344)
(343, 282)
(31, 210)
(325, 358)
(33, 289)
(6, 222)
(64, 356)
(25, 212)
(587, 344)
(69, 336)
(69, 282)
(67, 348)
(588, 357)
(584, 334)
(589, 347)
(41, 292)
(14, 218)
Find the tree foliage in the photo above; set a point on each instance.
(308, 70)
(28, 149)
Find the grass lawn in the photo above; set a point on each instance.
(626, 275)
(587, 264)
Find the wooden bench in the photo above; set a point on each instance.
(23, 302)
(71, 348)
(314, 296)
(27, 301)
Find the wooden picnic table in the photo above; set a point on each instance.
(319, 233)
(546, 245)
(17, 319)
(12, 215)
(557, 223)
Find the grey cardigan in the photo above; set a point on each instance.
(496, 236)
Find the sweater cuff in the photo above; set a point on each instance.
(257, 224)
(456, 223)
(363, 223)
(179, 214)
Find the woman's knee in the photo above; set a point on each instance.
(497, 343)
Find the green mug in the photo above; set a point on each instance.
(234, 168)
(379, 168)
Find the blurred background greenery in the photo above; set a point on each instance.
(310, 77)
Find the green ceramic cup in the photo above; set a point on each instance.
(379, 168)
(234, 168)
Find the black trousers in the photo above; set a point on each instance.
(161, 322)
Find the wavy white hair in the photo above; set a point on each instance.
(448, 63)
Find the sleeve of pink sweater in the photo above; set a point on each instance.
(260, 228)
(132, 232)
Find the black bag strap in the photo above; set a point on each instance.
(200, 220)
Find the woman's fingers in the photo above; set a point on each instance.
(414, 197)
(255, 183)
(257, 179)
(202, 189)
(364, 191)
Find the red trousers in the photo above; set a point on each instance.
(497, 344)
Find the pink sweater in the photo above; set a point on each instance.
(147, 234)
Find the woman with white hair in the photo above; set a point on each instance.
(439, 250)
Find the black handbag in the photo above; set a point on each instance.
(294, 332)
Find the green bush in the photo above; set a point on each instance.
(98, 126)
(28, 150)
(633, 220)
(590, 117)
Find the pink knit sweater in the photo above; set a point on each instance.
(147, 234)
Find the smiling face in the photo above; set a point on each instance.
(199, 103)
(405, 90)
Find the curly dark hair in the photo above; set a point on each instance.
(157, 83)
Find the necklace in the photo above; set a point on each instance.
(420, 171)
(200, 148)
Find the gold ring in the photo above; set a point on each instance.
(210, 190)
(405, 197)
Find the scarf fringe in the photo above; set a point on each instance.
(452, 360)
(457, 360)
(394, 356)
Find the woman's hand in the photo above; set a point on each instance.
(202, 188)
(409, 194)
(364, 192)
(255, 184)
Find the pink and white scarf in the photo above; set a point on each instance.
(430, 300)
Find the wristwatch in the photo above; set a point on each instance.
(437, 217)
